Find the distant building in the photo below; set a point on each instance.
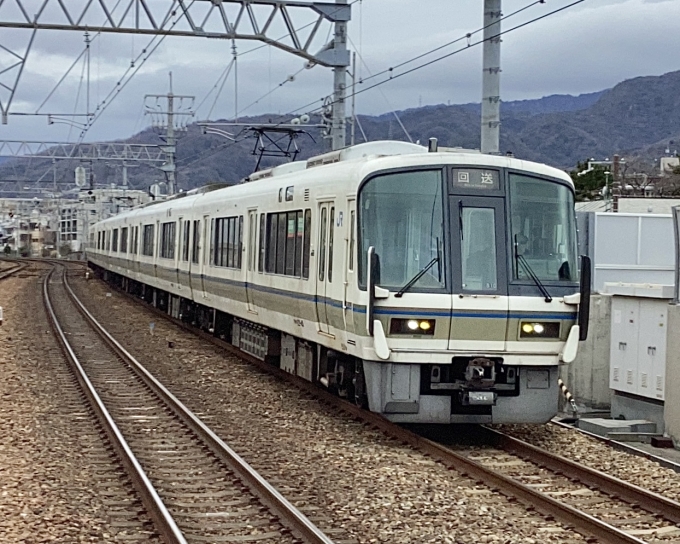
(667, 164)
(76, 217)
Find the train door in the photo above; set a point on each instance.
(350, 264)
(194, 259)
(251, 252)
(480, 307)
(324, 260)
(179, 249)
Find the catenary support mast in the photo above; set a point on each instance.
(491, 77)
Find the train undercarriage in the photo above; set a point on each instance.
(469, 390)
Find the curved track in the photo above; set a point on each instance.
(592, 503)
(194, 487)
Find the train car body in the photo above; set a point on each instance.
(433, 287)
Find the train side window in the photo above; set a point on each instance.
(272, 229)
(322, 244)
(99, 240)
(351, 240)
(185, 240)
(228, 239)
(124, 240)
(195, 241)
(260, 262)
(281, 244)
(108, 240)
(299, 230)
(306, 243)
(114, 240)
(331, 226)
(239, 246)
(167, 249)
(291, 228)
(147, 241)
(135, 238)
(252, 239)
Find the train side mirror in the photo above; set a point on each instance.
(372, 278)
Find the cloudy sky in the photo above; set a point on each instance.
(588, 47)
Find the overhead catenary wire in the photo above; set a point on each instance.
(433, 61)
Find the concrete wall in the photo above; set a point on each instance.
(647, 205)
(672, 406)
(588, 376)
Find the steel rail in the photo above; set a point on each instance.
(622, 446)
(269, 495)
(163, 521)
(645, 499)
(11, 271)
(580, 521)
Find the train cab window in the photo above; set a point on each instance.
(401, 215)
(478, 249)
(185, 239)
(196, 236)
(124, 240)
(543, 230)
(167, 249)
(147, 240)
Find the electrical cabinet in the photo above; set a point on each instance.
(638, 338)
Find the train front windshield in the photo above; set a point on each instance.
(402, 215)
(543, 230)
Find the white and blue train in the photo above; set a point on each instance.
(430, 286)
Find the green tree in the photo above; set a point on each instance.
(589, 183)
(7, 249)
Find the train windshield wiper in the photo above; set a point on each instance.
(520, 260)
(417, 277)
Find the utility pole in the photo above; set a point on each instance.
(171, 119)
(338, 119)
(491, 77)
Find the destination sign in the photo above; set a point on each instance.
(475, 178)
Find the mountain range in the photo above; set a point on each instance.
(636, 118)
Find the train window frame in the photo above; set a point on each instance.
(360, 268)
(168, 240)
(287, 243)
(261, 243)
(148, 240)
(135, 240)
(525, 286)
(186, 238)
(227, 238)
(124, 240)
(306, 243)
(195, 241)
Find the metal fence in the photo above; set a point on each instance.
(629, 247)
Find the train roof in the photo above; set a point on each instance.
(359, 161)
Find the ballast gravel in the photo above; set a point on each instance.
(54, 465)
(572, 444)
(355, 483)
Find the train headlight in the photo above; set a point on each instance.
(412, 326)
(529, 329)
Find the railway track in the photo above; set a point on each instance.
(593, 504)
(7, 272)
(193, 486)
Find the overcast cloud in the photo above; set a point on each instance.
(586, 48)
